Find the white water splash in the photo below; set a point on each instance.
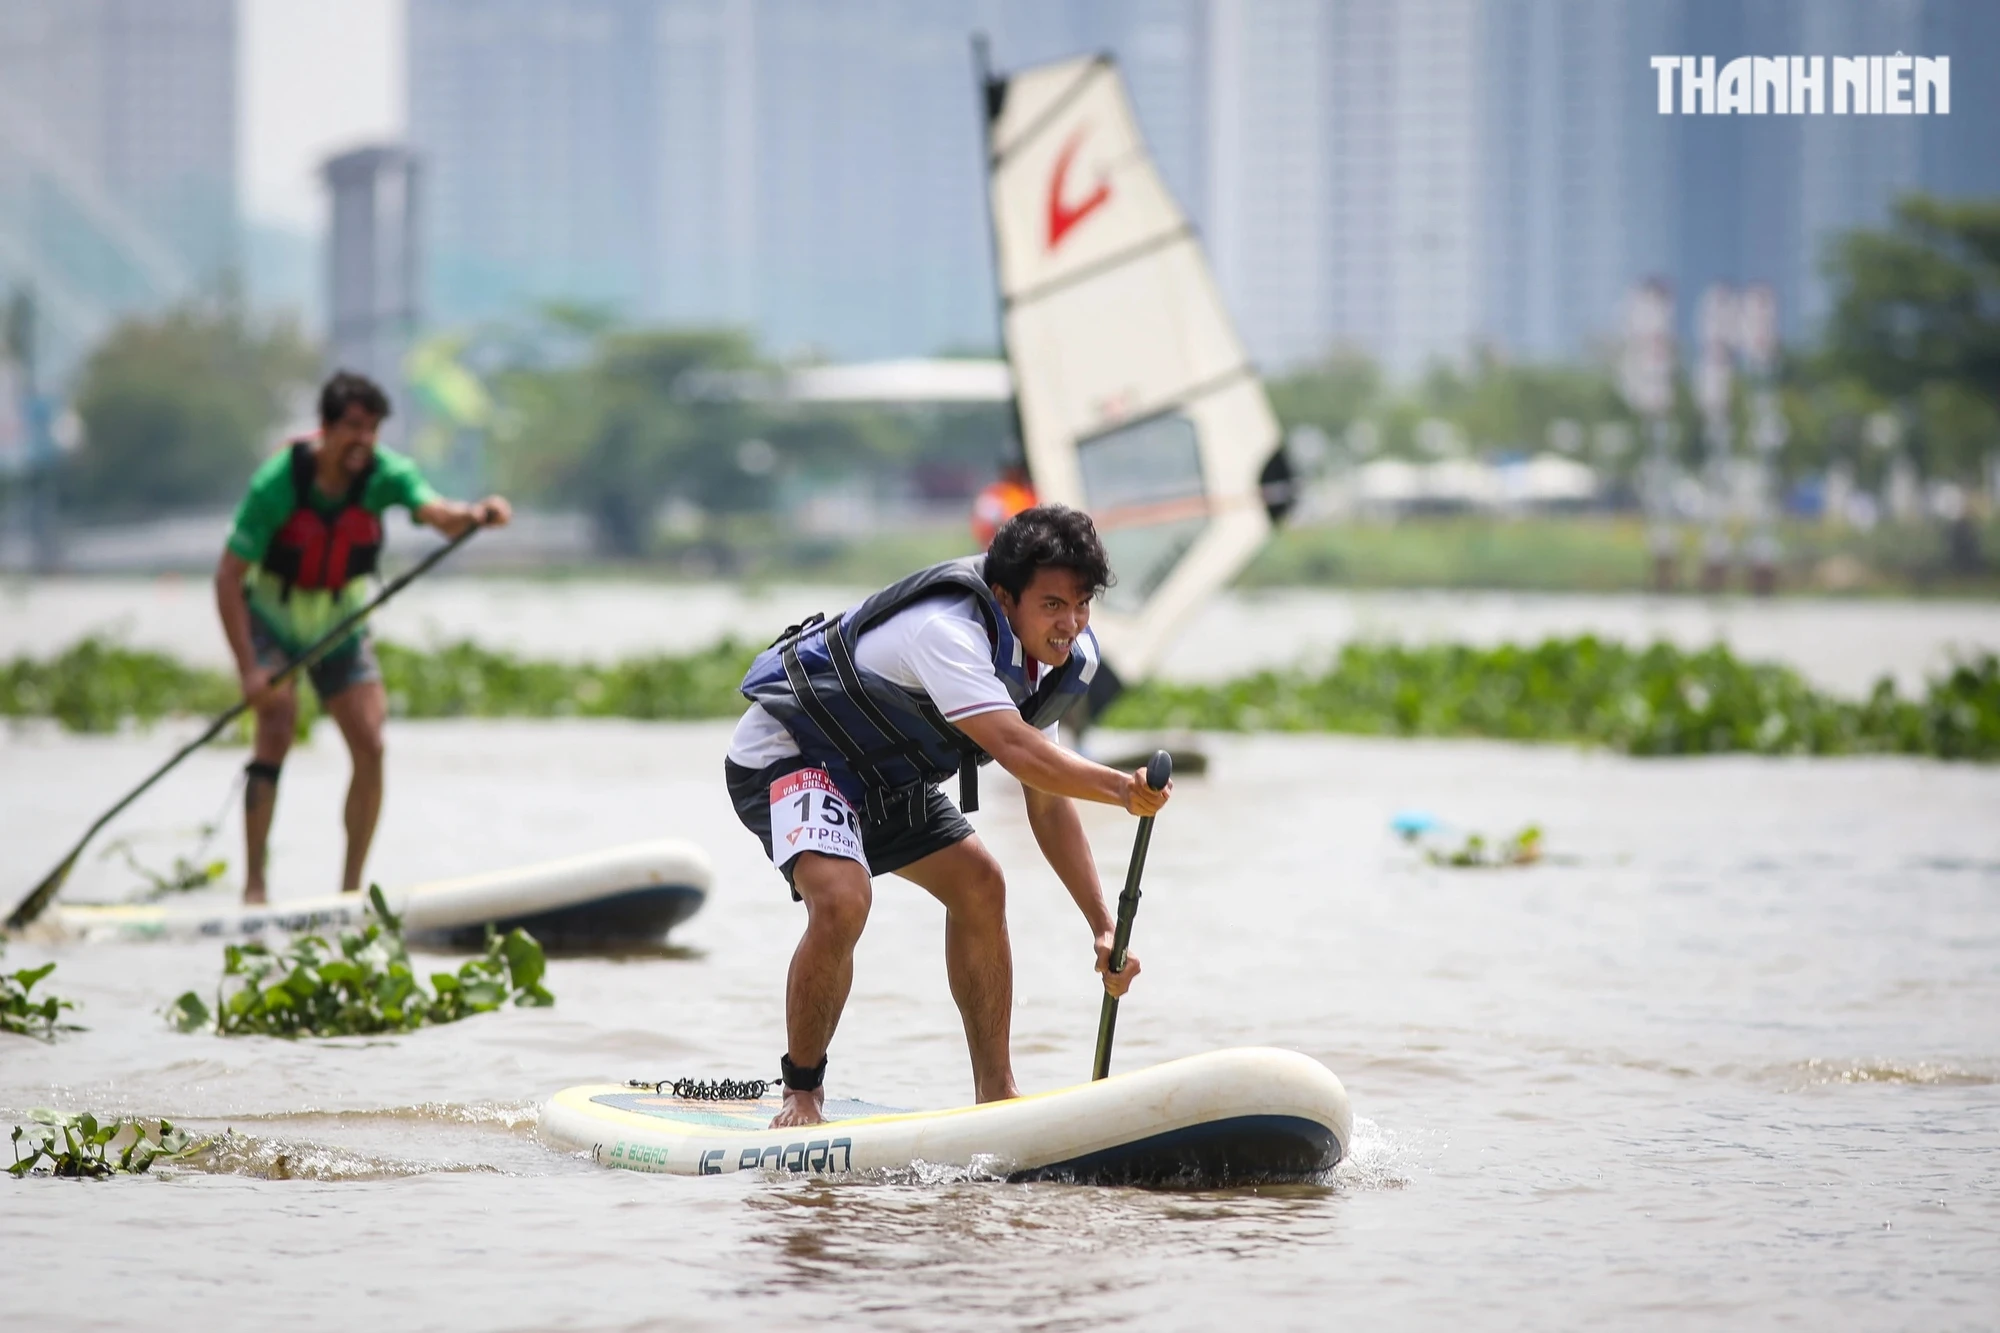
(1377, 1159)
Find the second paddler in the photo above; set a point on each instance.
(306, 539)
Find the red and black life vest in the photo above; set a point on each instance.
(314, 550)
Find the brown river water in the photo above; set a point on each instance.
(1731, 1060)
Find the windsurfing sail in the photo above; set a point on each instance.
(1136, 400)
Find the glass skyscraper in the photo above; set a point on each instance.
(1411, 179)
(117, 158)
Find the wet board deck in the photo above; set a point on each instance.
(621, 896)
(1232, 1116)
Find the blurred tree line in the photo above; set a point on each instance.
(1915, 329)
(178, 408)
(616, 422)
(630, 421)
(622, 423)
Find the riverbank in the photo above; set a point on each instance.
(1607, 553)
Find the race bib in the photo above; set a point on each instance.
(808, 814)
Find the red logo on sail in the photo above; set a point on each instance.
(1063, 216)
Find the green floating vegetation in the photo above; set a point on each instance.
(1476, 853)
(361, 986)
(21, 1013)
(96, 684)
(81, 1145)
(1659, 700)
(184, 876)
(466, 680)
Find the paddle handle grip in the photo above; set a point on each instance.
(1159, 771)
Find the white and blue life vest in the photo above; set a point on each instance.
(885, 745)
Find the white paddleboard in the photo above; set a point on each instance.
(1233, 1116)
(630, 895)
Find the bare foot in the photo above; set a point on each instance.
(801, 1108)
(254, 896)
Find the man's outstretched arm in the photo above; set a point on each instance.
(1042, 765)
(452, 517)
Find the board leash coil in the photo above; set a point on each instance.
(706, 1090)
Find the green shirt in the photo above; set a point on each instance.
(301, 618)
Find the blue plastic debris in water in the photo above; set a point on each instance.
(1413, 824)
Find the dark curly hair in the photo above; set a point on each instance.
(1047, 535)
(346, 389)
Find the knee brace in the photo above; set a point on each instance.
(257, 771)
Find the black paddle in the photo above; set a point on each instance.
(45, 892)
(1158, 771)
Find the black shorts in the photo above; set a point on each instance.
(889, 847)
(352, 663)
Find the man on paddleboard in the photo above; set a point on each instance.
(853, 723)
(307, 536)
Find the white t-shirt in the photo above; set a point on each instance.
(938, 646)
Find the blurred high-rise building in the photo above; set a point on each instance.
(538, 126)
(1574, 175)
(1824, 175)
(374, 268)
(1411, 179)
(1961, 152)
(1267, 65)
(117, 157)
(1499, 175)
(1587, 188)
(808, 171)
(1402, 232)
(864, 182)
(1758, 199)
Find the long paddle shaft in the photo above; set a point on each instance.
(1158, 771)
(45, 892)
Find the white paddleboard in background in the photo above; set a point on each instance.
(1227, 1117)
(620, 897)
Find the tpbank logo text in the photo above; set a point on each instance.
(1896, 85)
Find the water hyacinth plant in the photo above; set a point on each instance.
(361, 985)
(23, 1014)
(186, 874)
(466, 680)
(95, 685)
(1477, 853)
(82, 1146)
(1658, 700)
